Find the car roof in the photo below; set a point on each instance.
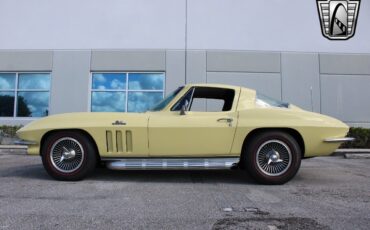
(218, 86)
(212, 85)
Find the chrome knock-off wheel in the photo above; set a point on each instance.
(274, 158)
(67, 155)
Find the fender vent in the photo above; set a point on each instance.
(128, 141)
(119, 143)
(116, 142)
(109, 141)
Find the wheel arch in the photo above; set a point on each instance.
(294, 133)
(84, 132)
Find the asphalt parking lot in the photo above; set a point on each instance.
(327, 193)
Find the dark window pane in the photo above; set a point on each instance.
(184, 101)
(142, 101)
(34, 81)
(6, 104)
(32, 104)
(146, 81)
(7, 80)
(108, 102)
(207, 105)
(109, 81)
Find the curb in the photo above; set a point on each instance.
(13, 150)
(13, 147)
(357, 155)
(343, 152)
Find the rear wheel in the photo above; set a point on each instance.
(68, 155)
(272, 157)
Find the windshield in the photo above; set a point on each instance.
(265, 101)
(162, 104)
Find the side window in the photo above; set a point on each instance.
(206, 99)
(207, 105)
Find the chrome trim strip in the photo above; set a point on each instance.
(171, 163)
(342, 139)
(24, 142)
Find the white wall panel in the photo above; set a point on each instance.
(128, 60)
(241, 61)
(175, 69)
(300, 73)
(344, 64)
(266, 83)
(22, 60)
(196, 66)
(346, 97)
(70, 80)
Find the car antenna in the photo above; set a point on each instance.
(311, 98)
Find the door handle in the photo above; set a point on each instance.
(226, 119)
(229, 120)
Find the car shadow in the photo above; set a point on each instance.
(173, 176)
(234, 176)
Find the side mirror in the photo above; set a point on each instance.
(184, 108)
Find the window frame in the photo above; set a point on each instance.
(16, 90)
(193, 88)
(126, 90)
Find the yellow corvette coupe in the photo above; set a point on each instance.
(198, 126)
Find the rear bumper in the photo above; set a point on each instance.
(339, 140)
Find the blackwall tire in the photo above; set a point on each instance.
(272, 157)
(68, 156)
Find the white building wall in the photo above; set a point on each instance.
(270, 25)
(92, 24)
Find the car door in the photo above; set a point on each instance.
(196, 133)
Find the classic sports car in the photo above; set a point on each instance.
(198, 126)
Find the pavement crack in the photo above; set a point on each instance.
(268, 223)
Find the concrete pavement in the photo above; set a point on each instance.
(327, 193)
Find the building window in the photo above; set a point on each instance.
(24, 94)
(126, 92)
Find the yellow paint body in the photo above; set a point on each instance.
(197, 134)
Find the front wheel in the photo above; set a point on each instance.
(272, 157)
(68, 156)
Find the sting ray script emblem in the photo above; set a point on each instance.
(338, 18)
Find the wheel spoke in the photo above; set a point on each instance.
(67, 155)
(274, 157)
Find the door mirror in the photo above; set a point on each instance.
(184, 108)
(182, 111)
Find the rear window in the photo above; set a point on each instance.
(266, 101)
